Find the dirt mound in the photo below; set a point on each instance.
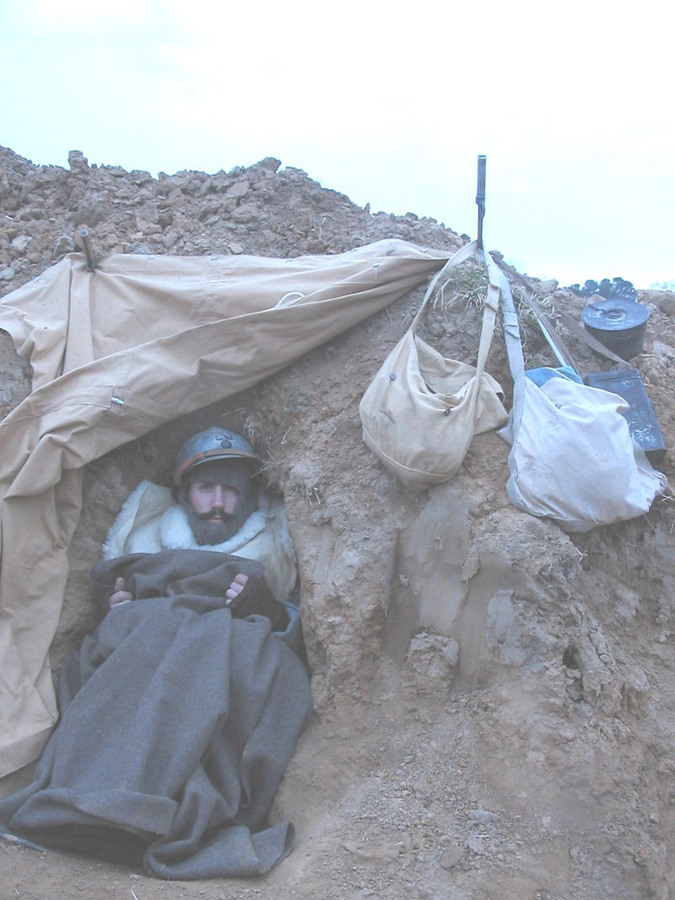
(495, 701)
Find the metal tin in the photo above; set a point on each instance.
(640, 415)
(619, 324)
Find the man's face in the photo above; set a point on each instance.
(213, 502)
(213, 509)
(218, 497)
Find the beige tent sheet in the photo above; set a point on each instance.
(117, 352)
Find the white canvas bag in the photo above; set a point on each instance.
(421, 411)
(572, 456)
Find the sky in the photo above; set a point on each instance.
(390, 104)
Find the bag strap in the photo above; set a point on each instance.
(490, 306)
(514, 352)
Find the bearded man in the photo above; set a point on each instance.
(179, 714)
(216, 504)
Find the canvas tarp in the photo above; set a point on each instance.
(117, 352)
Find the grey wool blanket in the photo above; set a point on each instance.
(177, 723)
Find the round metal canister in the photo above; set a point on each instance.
(619, 324)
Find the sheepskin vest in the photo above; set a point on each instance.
(151, 521)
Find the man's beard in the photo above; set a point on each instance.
(237, 474)
(207, 532)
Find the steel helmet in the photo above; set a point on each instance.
(211, 444)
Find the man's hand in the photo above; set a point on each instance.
(237, 586)
(248, 596)
(120, 595)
